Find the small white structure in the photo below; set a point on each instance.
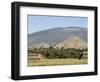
(35, 56)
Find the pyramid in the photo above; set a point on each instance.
(72, 42)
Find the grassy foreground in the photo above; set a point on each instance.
(51, 62)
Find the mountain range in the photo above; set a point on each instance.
(67, 37)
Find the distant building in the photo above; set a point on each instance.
(35, 56)
(85, 54)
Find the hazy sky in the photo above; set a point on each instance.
(38, 23)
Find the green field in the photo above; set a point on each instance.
(52, 62)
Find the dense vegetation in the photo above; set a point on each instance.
(56, 53)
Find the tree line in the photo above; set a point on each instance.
(55, 53)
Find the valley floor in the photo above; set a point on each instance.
(52, 62)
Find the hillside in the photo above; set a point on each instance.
(56, 36)
(40, 45)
